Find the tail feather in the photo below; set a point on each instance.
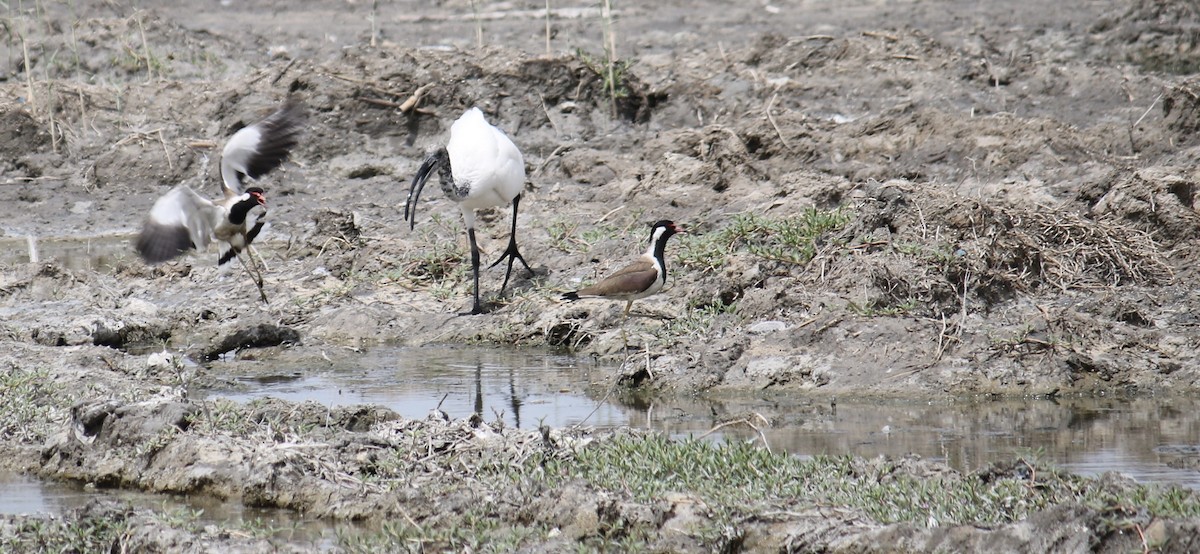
(571, 296)
(228, 253)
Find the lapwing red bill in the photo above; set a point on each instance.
(642, 278)
(479, 168)
(182, 220)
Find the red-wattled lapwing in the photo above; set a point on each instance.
(478, 168)
(640, 279)
(182, 220)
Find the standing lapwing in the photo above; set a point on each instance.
(479, 168)
(182, 220)
(640, 279)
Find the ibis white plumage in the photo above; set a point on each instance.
(479, 167)
(182, 220)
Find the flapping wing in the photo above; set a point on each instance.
(179, 221)
(257, 149)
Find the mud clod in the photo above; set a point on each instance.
(258, 336)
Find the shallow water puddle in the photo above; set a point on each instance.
(22, 495)
(1136, 437)
(523, 387)
(1140, 437)
(98, 253)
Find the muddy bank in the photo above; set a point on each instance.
(901, 200)
(953, 226)
(469, 483)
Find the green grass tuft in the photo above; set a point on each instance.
(791, 240)
(29, 398)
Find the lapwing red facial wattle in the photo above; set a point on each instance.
(182, 220)
(640, 279)
(478, 168)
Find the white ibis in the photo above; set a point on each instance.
(642, 278)
(182, 220)
(478, 168)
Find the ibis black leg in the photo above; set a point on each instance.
(511, 253)
(477, 308)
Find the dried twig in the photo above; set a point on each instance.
(610, 212)
(771, 118)
(166, 152)
(747, 422)
(411, 103)
(557, 151)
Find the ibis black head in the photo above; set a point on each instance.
(434, 161)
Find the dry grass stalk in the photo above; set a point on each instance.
(478, 24)
(28, 72)
(547, 28)
(610, 46)
(374, 21)
(146, 50)
(1067, 250)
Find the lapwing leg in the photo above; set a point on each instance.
(478, 308)
(624, 319)
(511, 253)
(262, 261)
(254, 276)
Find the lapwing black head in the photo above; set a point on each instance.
(642, 278)
(182, 220)
(479, 167)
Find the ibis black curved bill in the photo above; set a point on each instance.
(434, 161)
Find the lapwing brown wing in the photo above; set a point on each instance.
(644, 277)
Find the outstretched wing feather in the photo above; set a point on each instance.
(180, 220)
(258, 149)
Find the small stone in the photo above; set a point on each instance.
(1156, 533)
(764, 327)
(160, 359)
(139, 307)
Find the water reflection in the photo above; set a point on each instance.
(1082, 435)
(98, 253)
(522, 387)
(22, 495)
(1134, 436)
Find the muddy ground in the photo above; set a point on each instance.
(1006, 194)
